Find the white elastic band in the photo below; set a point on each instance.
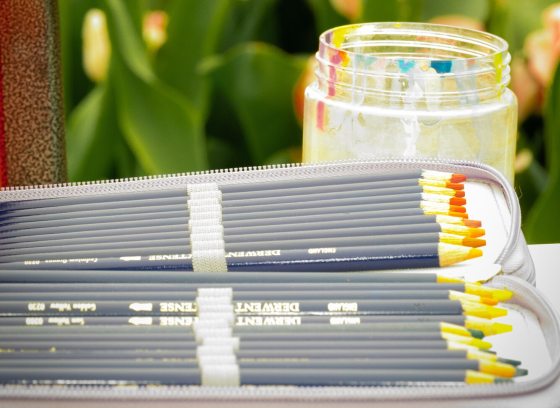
(214, 292)
(206, 350)
(223, 333)
(209, 261)
(220, 375)
(204, 203)
(209, 227)
(207, 322)
(207, 243)
(202, 195)
(207, 307)
(207, 359)
(208, 315)
(205, 221)
(221, 341)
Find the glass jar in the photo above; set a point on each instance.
(411, 90)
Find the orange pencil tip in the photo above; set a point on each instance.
(457, 201)
(458, 214)
(459, 193)
(477, 232)
(455, 186)
(474, 242)
(457, 208)
(458, 178)
(472, 223)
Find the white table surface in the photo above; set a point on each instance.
(547, 264)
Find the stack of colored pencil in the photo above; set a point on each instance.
(343, 223)
(233, 329)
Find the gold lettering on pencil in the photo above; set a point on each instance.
(266, 307)
(36, 307)
(252, 254)
(268, 321)
(34, 321)
(169, 257)
(185, 321)
(59, 321)
(342, 307)
(84, 307)
(315, 251)
(335, 320)
(61, 307)
(174, 307)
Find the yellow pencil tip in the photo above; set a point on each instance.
(495, 368)
(474, 253)
(476, 377)
(481, 310)
(486, 326)
(470, 341)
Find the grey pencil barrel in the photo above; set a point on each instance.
(335, 363)
(305, 239)
(280, 322)
(233, 213)
(182, 232)
(239, 327)
(246, 336)
(248, 346)
(173, 204)
(301, 377)
(238, 295)
(124, 308)
(121, 354)
(410, 176)
(74, 225)
(242, 286)
(181, 276)
(385, 217)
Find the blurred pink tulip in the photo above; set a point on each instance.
(351, 9)
(525, 87)
(154, 29)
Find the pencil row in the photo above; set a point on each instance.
(363, 222)
(223, 336)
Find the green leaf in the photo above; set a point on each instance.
(90, 136)
(543, 223)
(126, 40)
(258, 80)
(160, 126)
(193, 33)
(76, 83)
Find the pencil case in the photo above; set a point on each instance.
(506, 263)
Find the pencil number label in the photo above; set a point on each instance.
(342, 307)
(36, 307)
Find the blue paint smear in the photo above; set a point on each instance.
(441, 67)
(405, 66)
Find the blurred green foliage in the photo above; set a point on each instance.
(219, 92)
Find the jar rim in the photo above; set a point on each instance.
(433, 58)
(342, 39)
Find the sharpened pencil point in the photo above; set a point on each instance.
(474, 242)
(520, 372)
(472, 223)
(458, 178)
(497, 368)
(455, 186)
(457, 201)
(481, 310)
(488, 327)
